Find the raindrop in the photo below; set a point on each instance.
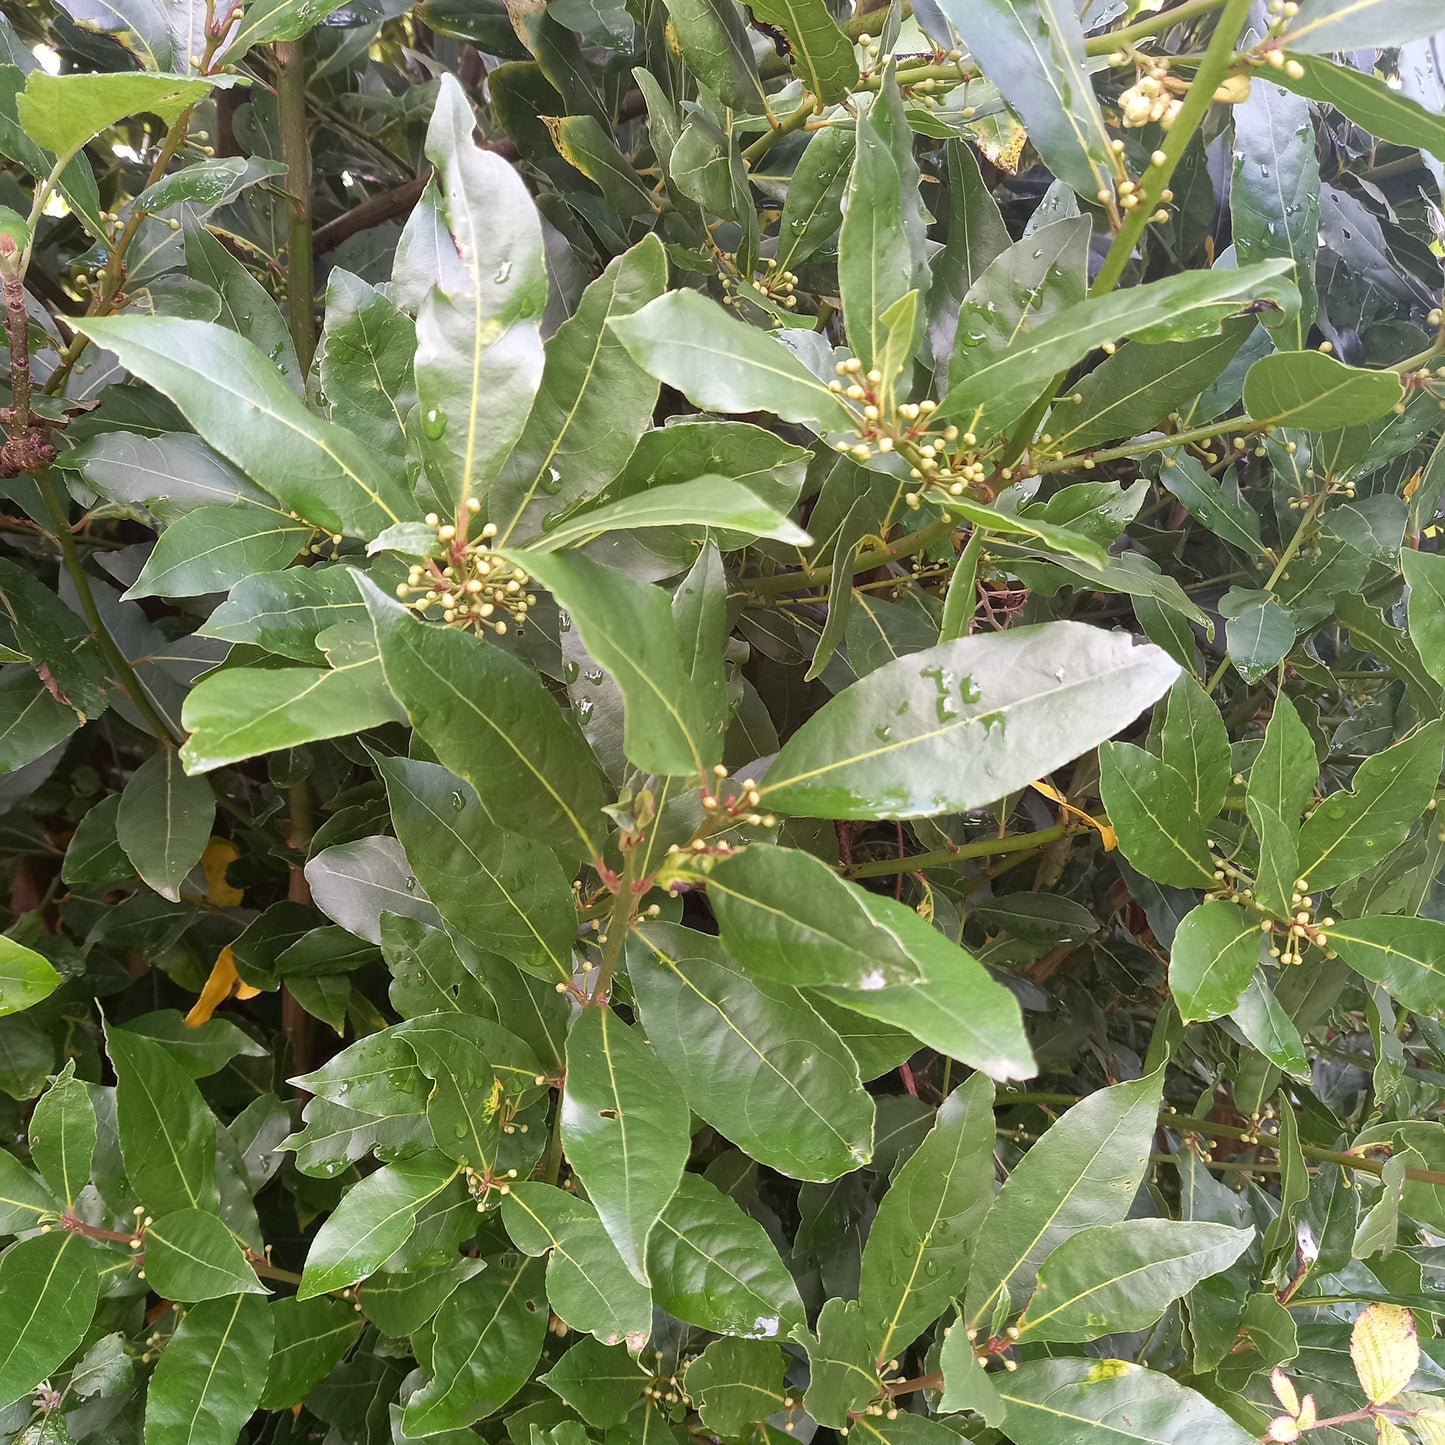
(434, 423)
(584, 709)
(503, 272)
(569, 672)
(458, 802)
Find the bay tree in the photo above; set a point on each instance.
(722, 722)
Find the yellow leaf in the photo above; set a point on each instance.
(1106, 833)
(223, 982)
(219, 856)
(1385, 1351)
(1387, 1432)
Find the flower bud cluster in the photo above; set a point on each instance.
(473, 586)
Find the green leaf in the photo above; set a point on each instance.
(1117, 1278)
(1406, 955)
(671, 725)
(965, 1385)
(62, 112)
(721, 364)
(752, 1058)
(267, 20)
(48, 1287)
(378, 1074)
(1175, 308)
(1085, 1170)
(593, 403)
(1370, 102)
(25, 977)
(1425, 576)
(1325, 26)
(1109, 1402)
(601, 1382)
(813, 206)
(1140, 385)
(465, 1120)
(964, 723)
(478, 342)
(167, 475)
(310, 1337)
(706, 501)
(503, 891)
(63, 1134)
(921, 1240)
(23, 1201)
(842, 1377)
(820, 54)
(240, 713)
(190, 1255)
(1274, 195)
(588, 1285)
(735, 1383)
(1214, 506)
(712, 36)
(211, 1373)
(488, 717)
(1034, 51)
(789, 917)
(246, 306)
(283, 611)
(1195, 743)
(1352, 831)
(1282, 778)
(625, 1130)
(1214, 955)
(213, 548)
(713, 1266)
(232, 394)
(489, 1334)
(373, 1220)
(1151, 808)
(881, 246)
(1024, 285)
(167, 1134)
(365, 362)
(960, 1010)
(1313, 392)
(165, 821)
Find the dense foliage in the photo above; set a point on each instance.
(770, 770)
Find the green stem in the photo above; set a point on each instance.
(296, 153)
(1155, 181)
(1154, 25)
(1237, 427)
(119, 664)
(619, 920)
(979, 848)
(907, 546)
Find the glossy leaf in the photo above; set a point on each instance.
(964, 723)
(62, 112)
(234, 396)
(625, 1128)
(489, 1333)
(167, 1134)
(1121, 1277)
(691, 343)
(1150, 808)
(190, 1255)
(715, 1267)
(671, 725)
(365, 362)
(1215, 954)
(1323, 26)
(48, 1287)
(1109, 1402)
(593, 403)
(211, 1374)
(372, 1222)
(212, 548)
(1406, 955)
(1084, 1170)
(1351, 831)
(752, 1058)
(63, 1135)
(921, 1240)
(1370, 102)
(310, 1336)
(1311, 391)
(165, 821)
(25, 977)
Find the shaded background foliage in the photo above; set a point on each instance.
(586, 864)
